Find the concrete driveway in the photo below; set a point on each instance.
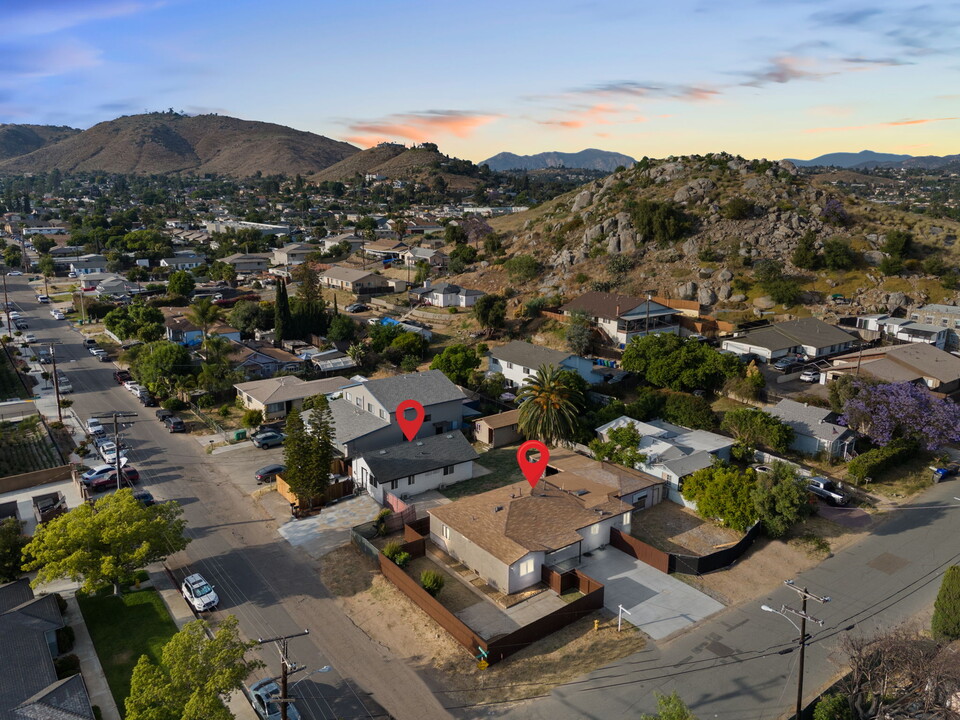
(658, 603)
(322, 533)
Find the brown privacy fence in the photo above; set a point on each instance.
(334, 491)
(686, 564)
(415, 535)
(33, 479)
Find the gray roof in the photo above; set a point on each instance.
(803, 331)
(290, 387)
(65, 699)
(351, 275)
(939, 308)
(808, 420)
(419, 456)
(429, 388)
(927, 360)
(349, 421)
(683, 466)
(528, 355)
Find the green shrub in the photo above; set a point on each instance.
(532, 308)
(206, 401)
(251, 419)
(65, 639)
(401, 559)
(173, 404)
(452, 310)
(66, 666)
(580, 278)
(879, 459)
(432, 582)
(833, 706)
(380, 521)
(522, 268)
(224, 411)
(392, 549)
(737, 209)
(661, 222)
(945, 624)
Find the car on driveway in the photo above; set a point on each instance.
(784, 364)
(174, 424)
(828, 490)
(268, 439)
(14, 273)
(268, 473)
(199, 593)
(810, 375)
(43, 299)
(264, 694)
(356, 307)
(122, 376)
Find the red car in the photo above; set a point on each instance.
(122, 376)
(107, 482)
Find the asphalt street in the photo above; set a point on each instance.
(271, 587)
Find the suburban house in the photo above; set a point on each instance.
(219, 226)
(410, 468)
(248, 262)
(673, 452)
(275, 397)
(355, 241)
(946, 316)
(359, 282)
(89, 264)
(446, 295)
(917, 362)
(261, 359)
(30, 689)
(183, 332)
(815, 430)
(518, 361)
(508, 534)
(293, 253)
(185, 261)
(433, 258)
(620, 318)
(365, 415)
(498, 430)
(809, 337)
(385, 249)
(875, 327)
(634, 487)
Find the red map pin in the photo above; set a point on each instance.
(533, 471)
(410, 426)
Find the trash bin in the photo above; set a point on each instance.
(239, 435)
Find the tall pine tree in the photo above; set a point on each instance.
(281, 314)
(308, 453)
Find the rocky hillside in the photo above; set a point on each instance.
(16, 140)
(699, 227)
(589, 159)
(397, 162)
(158, 143)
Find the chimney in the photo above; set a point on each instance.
(426, 284)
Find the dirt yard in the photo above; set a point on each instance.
(675, 529)
(388, 617)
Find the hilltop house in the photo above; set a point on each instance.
(815, 429)
(446, 295)
(385, 249)
(410, 468)
(275, 397)
(433, 258)
(365, 415)
(518, 361)
(946, 316)
(620, 318)
(809, 337)
(874, 327)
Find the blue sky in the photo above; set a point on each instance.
(761, 78)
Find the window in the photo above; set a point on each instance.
(448, 470)
(509, 366)
(626, 518)
(595, 529)
(526, 371)
(394, 484)
(426, 418)
(359, 402)
(944, 321)
(347, 396)
(381, 415)
(370, 408)
(929, 319)
(411, 480)
(526, 567)
(445, 532)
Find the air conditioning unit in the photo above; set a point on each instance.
(442, 486)
(404, 496)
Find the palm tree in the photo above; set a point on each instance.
(203, 313)
(357, 352)
(550, 406)
(216, 351)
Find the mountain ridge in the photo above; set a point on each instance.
(588, 159)
(868, 159)
(17, 140)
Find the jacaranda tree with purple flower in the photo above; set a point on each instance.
(887, 411)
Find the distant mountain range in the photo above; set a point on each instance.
(867, 159)
(169, 143)
(589, 159)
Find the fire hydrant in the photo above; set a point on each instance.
(596, 624)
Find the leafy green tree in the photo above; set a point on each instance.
(689, 411)
(464, 253)
(724, 493)
(833, 706)
(660, 222)
(43, 244)
(342, 328)
(490, 311)
(757, 428)
(247, 316)
(105, 543)
(522, 268)
(837, 254)
(381, 335)
(549, 406)
(150, 332)
(945, 624)
(622, 447)
(578, 333)
(12, 542)
(203, 313)
(223, 271)
(737, 208)
(252, 419)
(180, 283)
(669, 361)
(899, 244)
(670, 707)
(805, 255)
(454, 235)
(780, 497)
(308, 290)
(12, 256)
(457, 362)
(891, 266)
(46, 266)
(195, 674)
(160, 359)
(409, 343)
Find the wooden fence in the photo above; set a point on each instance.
(685, 564)
(640, 550)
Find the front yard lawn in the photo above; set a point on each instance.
(123, 628)
(502, 462)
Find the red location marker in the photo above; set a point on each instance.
(410, 426)
(533, 471)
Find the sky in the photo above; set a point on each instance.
(758, 78)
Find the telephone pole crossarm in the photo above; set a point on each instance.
(286, 668)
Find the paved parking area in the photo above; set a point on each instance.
(322, 533)
(658, 603)
(490, 621)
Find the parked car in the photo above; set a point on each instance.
(72, 275)
(134, 388)
(174, 424)
(43, 299)
(94, 427)
(199, 593)
(98, 352)
(122, 376)
(810, 375)
(264, 694)
(828, 490)
(130, 476)
(147, 400)
(356, 307)
(163, 414)
(762, 469)
(14, 315)
(21, 324)
(102, 356)
(145, 498)
(784, 364)
(28, 338)
(14, 273)
(109, 450)
(268, 473)
(100, 471)
(57, 315)
(89, 342)
(268, 439)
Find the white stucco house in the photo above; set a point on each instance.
(518, 361)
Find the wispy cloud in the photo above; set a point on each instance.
(633, 89)
(846, 18)
(601, 114)
(418, 127)
(19, 63)
(878, 126)
(784, 69)
(52, 16)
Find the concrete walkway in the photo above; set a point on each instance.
(322, 533)
(90, 667)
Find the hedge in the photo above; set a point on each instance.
(879, 459)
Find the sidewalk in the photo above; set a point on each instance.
(90, 668)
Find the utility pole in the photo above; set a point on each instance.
(6, 300)
(56, 378)
(802, 614)
(286, 668)
(116, 415)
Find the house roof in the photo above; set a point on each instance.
(939, 308)
(501, 420)
(243, 351)
(290, 387)
(419, 456)
(528, 355)
(808, 420)
(297, 247)
(446, 289)
(351, 275)
(247, 257)
(65, 699)
(429, 388)
(927, 360)
(622, 480)
(349, 421)
(811, 332)
(385, 245)
(511, 521)
(610, 306)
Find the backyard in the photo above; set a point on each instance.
(25, 447)
(124, 627)
(502, 464)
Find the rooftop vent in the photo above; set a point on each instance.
(498, 508)
(449, 437)
(383, 452)
(580, 493)
(419, 443)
